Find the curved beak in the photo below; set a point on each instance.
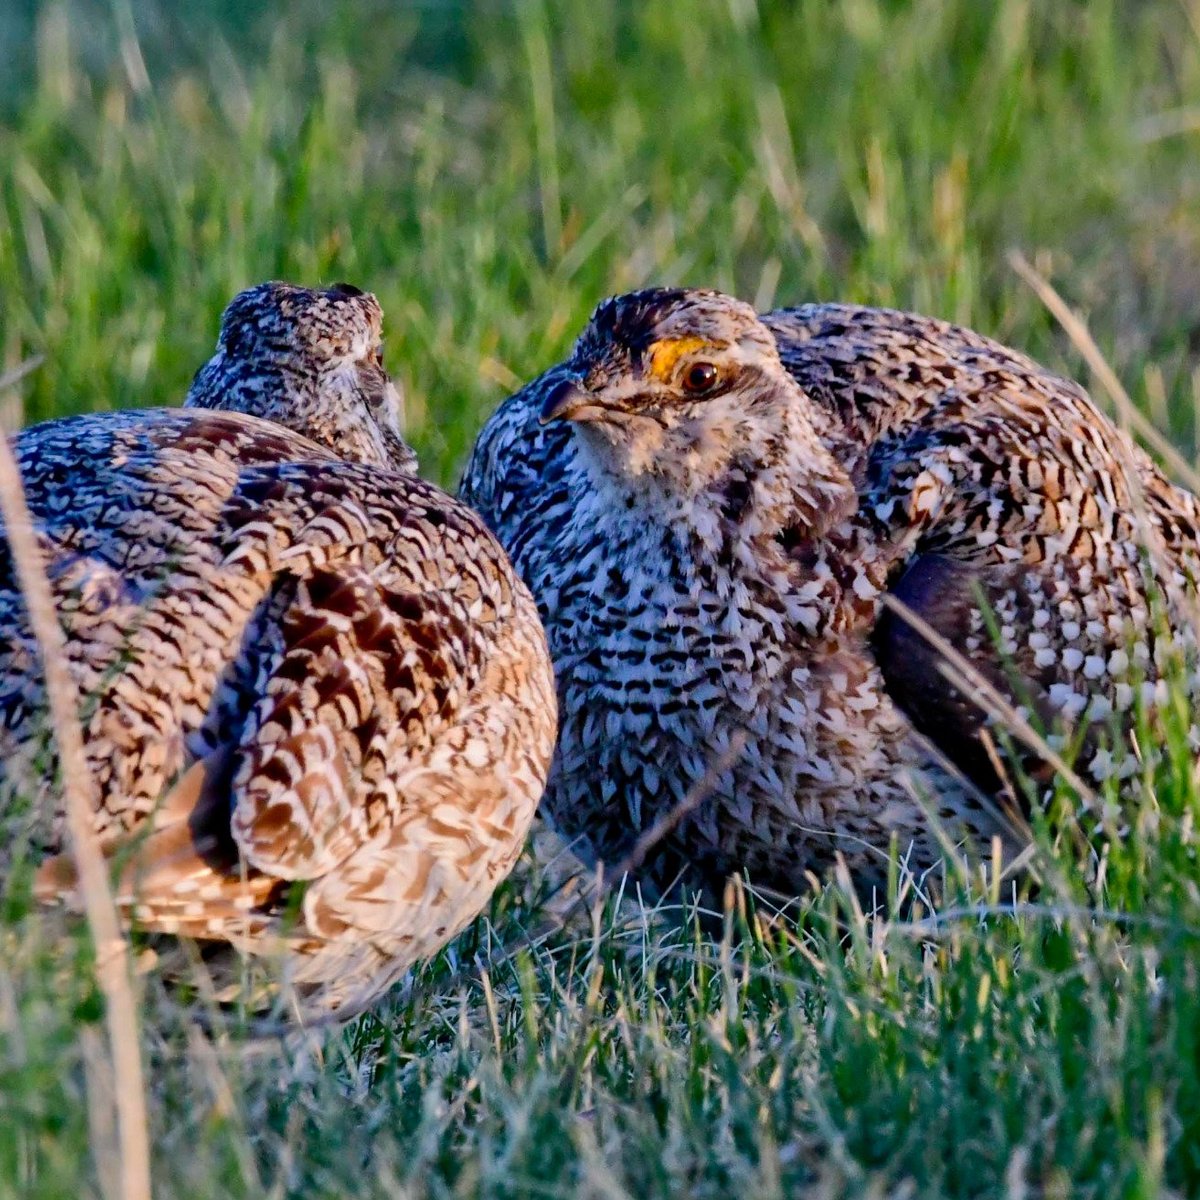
(567, 400)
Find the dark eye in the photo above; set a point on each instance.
(699, 378)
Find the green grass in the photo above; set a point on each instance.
(491, 170)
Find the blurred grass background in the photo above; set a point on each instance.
(490, 170)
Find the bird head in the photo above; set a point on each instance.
(311, 360)
(678, 393)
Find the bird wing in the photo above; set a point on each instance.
(127, 507)
(360, 675)
(878, 370)
(369, 628)
(356, 677)
(1001, 508)
(1020, 531)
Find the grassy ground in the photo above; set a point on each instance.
(490, 170)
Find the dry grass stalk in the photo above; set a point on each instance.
(112, 952)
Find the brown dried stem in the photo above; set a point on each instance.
(112, 952)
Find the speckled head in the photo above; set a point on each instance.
(662, 350)
(311, 360)
(672, 391)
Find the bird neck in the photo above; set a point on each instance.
(329, 411)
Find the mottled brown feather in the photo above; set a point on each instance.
(294, 668)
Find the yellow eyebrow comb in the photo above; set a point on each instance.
(662, 356)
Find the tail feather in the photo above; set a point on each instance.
(182, 876)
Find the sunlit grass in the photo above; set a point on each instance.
(491, 170)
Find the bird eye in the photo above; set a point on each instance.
(699, 378)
